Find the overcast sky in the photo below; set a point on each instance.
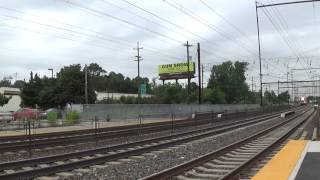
(41, 34)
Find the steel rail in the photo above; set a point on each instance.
(235, 172)
(179, 169)
(15, 164)
(201, 117)
(86, 162)
(34, 143)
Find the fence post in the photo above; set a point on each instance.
(29, 137)
(172, 119)
(212, 117)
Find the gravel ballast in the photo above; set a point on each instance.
(49, 151)
(160, 160)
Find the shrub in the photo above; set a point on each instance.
(52, 118)
(72, 117)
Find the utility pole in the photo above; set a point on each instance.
(188, 60)
(259, 46)
(288, 86)
(51, 72)
(252, 84)
(278, 92)
(292, 84)
(202, 70)
(199, 73)
(86, 84)
(139, 58)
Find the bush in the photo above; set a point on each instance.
(72, 117)
(52, 118)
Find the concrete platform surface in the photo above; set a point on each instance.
(297, 160)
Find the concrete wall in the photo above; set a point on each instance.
(105, 95)
(131, 111)
(14, 102)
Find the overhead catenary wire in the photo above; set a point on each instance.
(203, 39)
(88, 32)
(243, 34)
(283, 24)
(209, 25)
(281, 33)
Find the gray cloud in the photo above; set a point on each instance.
(63, 34)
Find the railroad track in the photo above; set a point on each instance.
(227, 162)
(36, 143)
(35, 167)
(201, 118)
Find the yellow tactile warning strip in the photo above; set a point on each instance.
(283, 163)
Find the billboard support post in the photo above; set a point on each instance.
(188, 61)
(199, 73)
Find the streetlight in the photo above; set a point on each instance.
(51, 72)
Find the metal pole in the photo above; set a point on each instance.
(188, 61)
(199, 74)
(202, 69)
(138, 59)
(51, 72)
(86, 84)
(252, 85)
(288, 87)
(292, 87)
(278, 93)
(259, 46)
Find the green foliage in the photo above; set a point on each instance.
(284, 97)
(52, 118)
(271, 98)
(72, 118)
(5, 83)
(4, 99)
(229, 78)
(214, 96)
(69, 87)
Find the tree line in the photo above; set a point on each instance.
(226, 85)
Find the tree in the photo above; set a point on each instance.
(270, 97)
(19, 84)
(4, 100)
(284, 97)
(30, 92)
(5, 83)
(71, 86)
(229, 78)
(214, 96)
(95, 70)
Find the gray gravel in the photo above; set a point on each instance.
(155, 162)
(14, 156)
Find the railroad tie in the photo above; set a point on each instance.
(217, 161)
(194, 174)
(219, 166)
(211, 171)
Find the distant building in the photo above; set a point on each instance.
(15, 101)
(106, 95)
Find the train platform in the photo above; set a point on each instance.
(297, 160)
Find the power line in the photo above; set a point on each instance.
(226, 20)
(285, 27)
(91, 34)
(172, 24)
(96, 12)
(281, 33)
(190, 13)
